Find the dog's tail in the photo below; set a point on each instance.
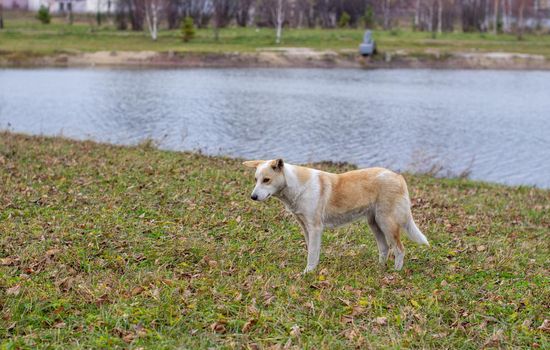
(414, 233)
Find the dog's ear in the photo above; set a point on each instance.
(277, 164)
(253, 163)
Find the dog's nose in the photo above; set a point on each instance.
(254, 197)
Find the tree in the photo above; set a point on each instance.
(369, 17)
(439, 16)
(187, 29)
(153, 9)
(223, 12)
(279, 19)
(520, 19)
(70, 13)
(1, 15)
(474, 13)
(242, 12)
(416, 24)
(173, 13)
(344, 20)
(43, 15)
(495, 16)
(386, 12)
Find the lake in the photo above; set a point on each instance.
(496, 124)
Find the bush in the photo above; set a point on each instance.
(188, 29)
(344, 20)
(43, 15)
(368, 19)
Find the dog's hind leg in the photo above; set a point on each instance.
(391, 232)
(383, 247)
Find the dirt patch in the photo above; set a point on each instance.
(280, 58)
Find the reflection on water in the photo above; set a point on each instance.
(497, 122)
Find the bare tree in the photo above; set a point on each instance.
(70, 12)
(474, 14)
(200, 10)
(275, 11)
(173, 10)
(520, 19)
(223, 12)
(536, 11)
(495, 16)
(416, 15)
(242, 12)
(439, 16)
(279, 18)
(153, 9)
(386, 12)
(1, 15)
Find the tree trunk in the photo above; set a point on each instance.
(70, 13)
(98, 14)
(520, 19)
(1, 15)
(386, 9)
(439, 16)
(416, 15)
(536, 10)
(151, 17)
(495, 18)
(431, 21)
(279, 21)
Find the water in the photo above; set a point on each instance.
(497, 123)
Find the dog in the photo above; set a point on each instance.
(320, 200)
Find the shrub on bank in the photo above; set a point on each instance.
(43, 15)
(187, 29)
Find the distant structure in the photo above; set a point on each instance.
(61, 6)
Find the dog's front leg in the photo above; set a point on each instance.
(314, 247)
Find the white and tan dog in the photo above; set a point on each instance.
(322, 200)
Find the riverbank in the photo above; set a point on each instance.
(277, 58)
(106, 246)
(26, 43)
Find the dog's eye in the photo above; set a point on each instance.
(266, 180)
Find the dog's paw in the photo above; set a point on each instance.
(308, 269)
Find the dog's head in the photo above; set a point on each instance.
(270, 178)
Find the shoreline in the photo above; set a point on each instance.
(323, 163)
(278, 58)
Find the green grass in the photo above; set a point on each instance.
(22, 34)
(115, 247)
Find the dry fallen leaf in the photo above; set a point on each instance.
(347, 319)
(545, 326)
(218, 326)
(60, 324)
(136, 291)
(248, 325)
(495, 339)
(295, 331)
(8, 261)
(52, 252)
(382, 321)
(128, 338)
(14, 290)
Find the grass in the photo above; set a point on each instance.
(131, 247)
(27, 35)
